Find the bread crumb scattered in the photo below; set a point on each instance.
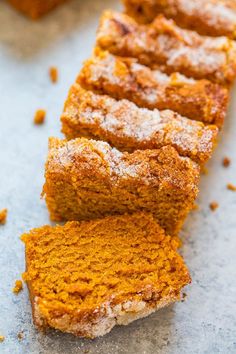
(39, 116)
(3, 216)
(231, 187)
(2, 338)
(195, 207)
(226, 162)
(214, 206)
(53, 73)
(184, 295)
(20, 335)
(18, 286)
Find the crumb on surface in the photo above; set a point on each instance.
(3, 216)
(184, 295)
(2, 338)
(213, 206)
(20, 335)
(226, 162)
(18, 286)
(231, 187)
(195, 207)
(53, 73)
(39, 116)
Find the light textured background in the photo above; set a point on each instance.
(205, 322)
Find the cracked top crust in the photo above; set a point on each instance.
(129, 128)
(211, 17)
(125, 78)
(164, 45)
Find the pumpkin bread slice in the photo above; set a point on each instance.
(86, 277)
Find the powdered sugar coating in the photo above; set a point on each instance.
(126, 78)
(162, 44)
(87, 179)
(128, 127)
(212, 17)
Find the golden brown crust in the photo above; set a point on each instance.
(35, 8)
(65, 267)
(211, 17)
(128, 128)
(125, 78)
(164, 45)
(86, 179)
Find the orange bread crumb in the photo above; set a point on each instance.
(211, 17)
(3, 216)
(86, 277)
(18, 286)
(35, 8)
(231, 187)
(226, 162)
(53, 73)
(101, 117)
(39, 117)
(213, 206)
(20, 336)
(122, 78)
(2, 338)
(87, 179)
(164, 45)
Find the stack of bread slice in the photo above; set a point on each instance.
(140, 121)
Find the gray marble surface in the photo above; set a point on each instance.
(206, 321)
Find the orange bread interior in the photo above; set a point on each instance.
(77, 269)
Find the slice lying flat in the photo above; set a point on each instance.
(86, 277)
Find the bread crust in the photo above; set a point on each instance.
(163, 45)
(212, 18)
(87, 179)
(105, 318)
(125, 78)
(128, 128)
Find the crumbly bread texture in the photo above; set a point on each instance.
(87, 179)
(35, 8)
(166, 46)
(86, 277)
(125, 78)
(128, 127)
(211, 17)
